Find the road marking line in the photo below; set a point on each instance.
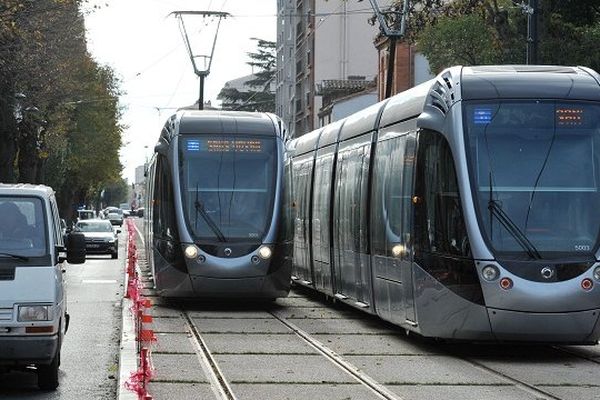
(99, 281)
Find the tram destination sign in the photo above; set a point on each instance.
(224, 145)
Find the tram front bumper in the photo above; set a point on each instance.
(273, 285)
(571, 327)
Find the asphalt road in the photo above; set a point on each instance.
(90, 350)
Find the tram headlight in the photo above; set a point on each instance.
(398, 250)
(490, 273)
(597, 273)
(265, 252)
(191, 251)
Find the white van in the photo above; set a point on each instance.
(33, 308)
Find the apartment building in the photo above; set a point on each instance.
(320, 42)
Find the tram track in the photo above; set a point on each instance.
(377, 388)
(215, 376)
(222, 389)
(517, 383)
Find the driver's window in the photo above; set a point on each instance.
(22, 226)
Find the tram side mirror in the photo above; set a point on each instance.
(161, 148)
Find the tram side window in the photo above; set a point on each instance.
(321, 206)
(288, 213)
(352, 183)
(392, 193)
(439, 221)
(164, 206)
(302, 195)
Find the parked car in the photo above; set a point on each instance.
(105, 211)
(85, 214)
(115, 216)
(33, 307)
(100, 237)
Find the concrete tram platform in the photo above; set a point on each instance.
(261, 357)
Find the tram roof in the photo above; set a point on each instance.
(219, 122)
(362, 122)
(530, 81)
(331, 133)
(308, 142)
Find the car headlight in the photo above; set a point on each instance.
(35, 313)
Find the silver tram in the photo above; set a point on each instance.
(214, 218)
(465, 208)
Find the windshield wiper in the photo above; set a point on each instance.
(211, 224)
(17, 256)
(497, 211)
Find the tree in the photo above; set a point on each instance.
(59, 117)
(259, 96)
(465, 39)
(499, 32)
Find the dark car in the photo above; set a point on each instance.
(100, 238)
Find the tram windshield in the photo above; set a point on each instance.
(535, 173)
(228, 186)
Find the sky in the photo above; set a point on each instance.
(144, 46)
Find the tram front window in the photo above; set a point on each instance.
(535, 173)
(228, 186)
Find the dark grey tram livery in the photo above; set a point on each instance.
(465, 208)
(214, 218)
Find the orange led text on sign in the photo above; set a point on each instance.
(569, 116)
(240, 146)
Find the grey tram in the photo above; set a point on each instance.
(214, 223)
(465, 208)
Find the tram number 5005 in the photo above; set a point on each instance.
(582, 247)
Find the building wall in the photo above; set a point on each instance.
(320, 40)
(410, 67)
(285, 78)
(346, 107)
(139, 174)
(344, 41)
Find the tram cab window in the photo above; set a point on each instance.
(538, 162)
(439, 220)
(164, 206)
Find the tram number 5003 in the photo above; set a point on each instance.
(582, 247)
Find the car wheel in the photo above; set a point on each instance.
(48, 374)
(114, 256)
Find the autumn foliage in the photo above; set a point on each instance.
(59, 113)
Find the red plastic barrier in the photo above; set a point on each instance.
(138, 381)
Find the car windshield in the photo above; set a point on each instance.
(94, 226)
(227, 185)
(535, 168)
(22, 227)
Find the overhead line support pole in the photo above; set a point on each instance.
(393, 33)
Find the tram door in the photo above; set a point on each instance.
(392, 222)
(321, 210)
(303, 167)
(351, 262)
